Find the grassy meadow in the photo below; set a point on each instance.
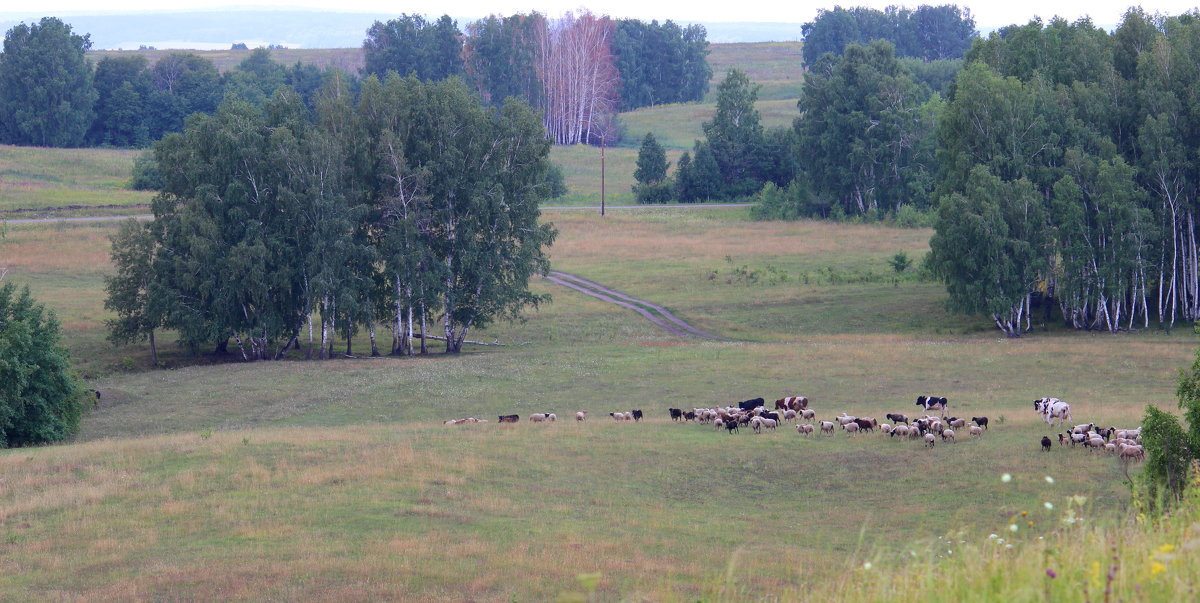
(336, 480)
(40, 181)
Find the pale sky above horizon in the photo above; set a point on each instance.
(987, 14)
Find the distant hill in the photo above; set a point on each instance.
(215, 30)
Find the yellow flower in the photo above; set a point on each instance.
(1024, 513)
(1157, 568)
(1166, 548)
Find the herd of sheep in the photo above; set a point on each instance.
(753, 414)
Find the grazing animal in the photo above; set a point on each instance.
(1052, 408)
(731, 426)
(827, 427)
(96, 402)
(899, 430)
(537, 417)
(976, 431)
(932, 402)
(864, 424)
(676, 414)
(930, 440)
(808, 414)
(850, 428)
(751, 404)
(1047, 443)
(796, 403)
(958, 423)
(896, 417)
(789, 415)
(581, 415)
(1061, 440)
(551, 417)
(509, 418)
(637, 415)
(981, 421)
(948, 434)
(689, 415)
(805, 429)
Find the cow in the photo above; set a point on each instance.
(1051, 409)
(932, 402)
(751, 404)
(796, 403)
(509, 418)
(676, 414)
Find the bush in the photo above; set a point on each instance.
(911, 217)
(791, 203)
(650, 194)
(40, 399)
(556, 186)
(146, 176)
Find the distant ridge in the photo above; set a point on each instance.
(220, 29)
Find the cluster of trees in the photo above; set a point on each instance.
(579, 69)
(1068, 171)
(928, 33)
(402, 205)
(51, 95)
(736, 158)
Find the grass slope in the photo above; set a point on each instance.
(38, 181)
(336, 480)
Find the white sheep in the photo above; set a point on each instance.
(827, 427)
(808, 414)
(900, 430)
(947, 434)
(789, 415)
(581, 415)
(844, 419)
(537, 417)
(976, 431)
(850, 428)
(768, 423)
(805, 429)
(885, 428)
(551, 417)
(930, 440)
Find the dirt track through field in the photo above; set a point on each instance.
(652, 312)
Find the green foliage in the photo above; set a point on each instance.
(127, 291)
(411, 45)
(500, 57)
(660, 64)
(652, 162)
(786, 203)
(46, 93)
(928, 33)
(555, 185)
(1168, 457)
(862, 131)
(40, 398)
(900, 262)
(145, 173)
(991, 248)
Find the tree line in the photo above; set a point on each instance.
(928, 33)
(403, 206)
(578, 69)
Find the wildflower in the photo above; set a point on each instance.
(1157, 568)
(1049, 505)
(1013, 527)
(867, 565)
(1049, 480)
(1050, 572)
(1030, 523)
(993, 536)
(1007, 477)
(1166, 548)
(1024, 513)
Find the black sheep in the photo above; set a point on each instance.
(1046, 443)
(637, 415)
(981, 421)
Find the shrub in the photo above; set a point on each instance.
(145, 173)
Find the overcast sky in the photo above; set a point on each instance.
(987, 14)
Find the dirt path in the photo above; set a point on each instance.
(652, 312)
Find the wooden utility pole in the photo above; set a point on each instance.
(602, 174)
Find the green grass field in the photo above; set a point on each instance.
(39, 181)
(336, 480)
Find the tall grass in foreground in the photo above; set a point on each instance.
(1139, 559)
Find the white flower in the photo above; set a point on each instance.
(1012, 527)
(1049, 480)
(1049, 505)
(1007, 477)
(993, 536)
(867, 565)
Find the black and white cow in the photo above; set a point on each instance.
(932, 402)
